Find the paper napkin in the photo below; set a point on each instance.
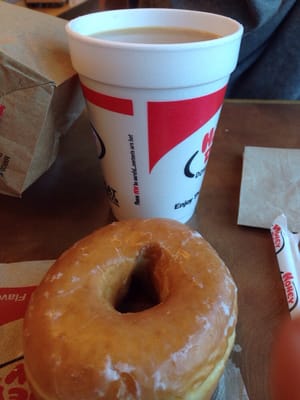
(270, 187)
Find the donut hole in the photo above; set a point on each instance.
(141, 291)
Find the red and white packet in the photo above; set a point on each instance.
(17, 282)
(287, 250)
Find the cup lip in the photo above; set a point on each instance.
(114, 44)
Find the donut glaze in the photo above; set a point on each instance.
(78, 345)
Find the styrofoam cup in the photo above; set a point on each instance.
(154, 108)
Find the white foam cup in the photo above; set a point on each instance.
(154, 108)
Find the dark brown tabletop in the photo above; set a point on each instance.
(68, 202)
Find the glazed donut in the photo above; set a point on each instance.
(84, 341)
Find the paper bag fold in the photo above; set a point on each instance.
(39, 93)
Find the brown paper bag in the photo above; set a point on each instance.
(40, 96)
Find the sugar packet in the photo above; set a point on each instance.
(286, 244)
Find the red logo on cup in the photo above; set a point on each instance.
(171, 122)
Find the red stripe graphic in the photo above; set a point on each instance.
(116, 104)
(171, 122)
(13, 303)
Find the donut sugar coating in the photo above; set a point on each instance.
(83, 342)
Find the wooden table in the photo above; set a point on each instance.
(68, 202)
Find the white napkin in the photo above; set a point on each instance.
(270, 186)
